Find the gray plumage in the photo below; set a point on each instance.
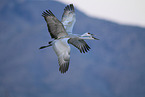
(80, 44)
(55, 27)
(62, 34)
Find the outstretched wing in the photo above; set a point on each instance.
(69, 18)
(62, 50)
(80, 44)
(55, 27)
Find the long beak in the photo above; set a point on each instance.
(95, 38)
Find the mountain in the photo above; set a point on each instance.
(114, 67)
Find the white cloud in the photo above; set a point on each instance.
(122, 11)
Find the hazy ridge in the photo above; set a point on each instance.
(114, 67)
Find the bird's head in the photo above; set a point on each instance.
(88, 35)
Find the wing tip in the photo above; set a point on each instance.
(64, 67)
(47, 13)
(72, 7)
(69, 7)
(85, 49)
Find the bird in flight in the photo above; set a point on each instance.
(61, 32)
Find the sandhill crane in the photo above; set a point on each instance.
(62, 34)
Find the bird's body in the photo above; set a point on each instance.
(62, 34)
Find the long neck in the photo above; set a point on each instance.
(85, 37)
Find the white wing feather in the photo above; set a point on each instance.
(69, 18)
(62, 50)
